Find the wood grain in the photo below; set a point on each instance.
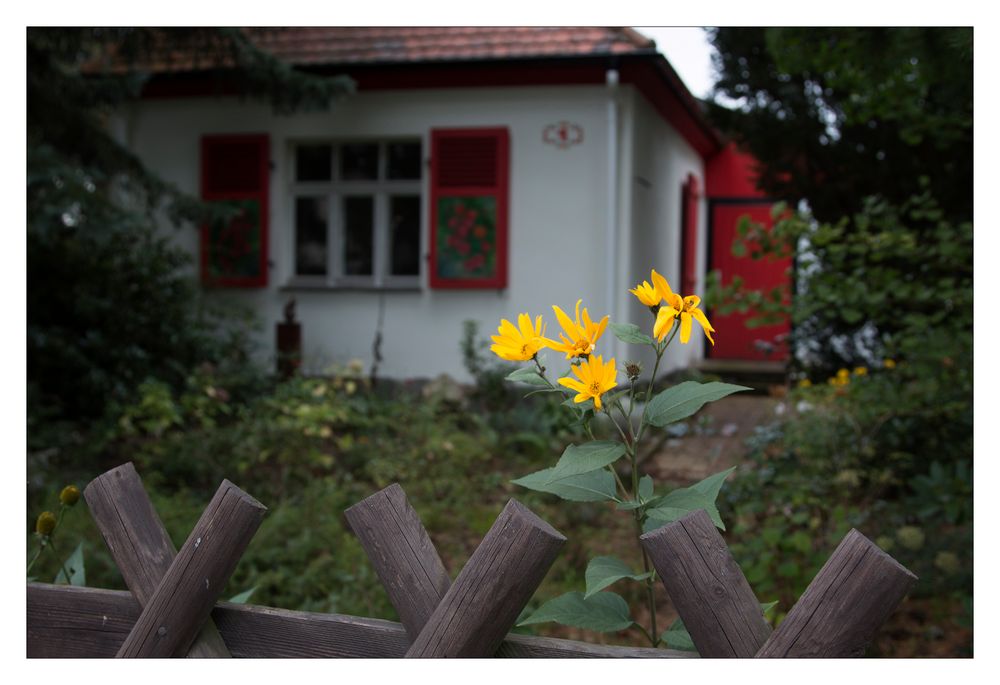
(402, 553)
(850, 598)
(139, 543)
(183, 600)
(707, 587)
(79, 622)
(501, 575)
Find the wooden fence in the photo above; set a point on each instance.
(172, 607)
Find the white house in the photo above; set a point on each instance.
(476, 173)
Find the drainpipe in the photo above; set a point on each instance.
(611, 232)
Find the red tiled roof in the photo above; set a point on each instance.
(340, 45)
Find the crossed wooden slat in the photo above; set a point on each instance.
(840, 611)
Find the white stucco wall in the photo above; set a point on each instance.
(660, 162)
(557, 220)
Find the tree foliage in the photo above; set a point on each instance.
(109, 303)
(835, 115)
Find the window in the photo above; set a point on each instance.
(357, 209)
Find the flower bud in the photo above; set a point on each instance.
(46, 523)
(70, 495)
(633, 370)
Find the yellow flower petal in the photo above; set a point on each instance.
(662, 287)
(685, 327)
(664, 322)
(705, 325)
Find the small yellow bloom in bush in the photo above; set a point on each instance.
(860, 371)
(843, 377)
(947, 562)
(70, 495)
(889, 363)
(910, 537)
(805, 383)
(595, 379)
(884, 542)
(518, 345)
(46, 523)
(582, 336)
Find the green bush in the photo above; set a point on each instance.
(842, 457)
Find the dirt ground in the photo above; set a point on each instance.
(715, 442)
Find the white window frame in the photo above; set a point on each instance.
(336, 191)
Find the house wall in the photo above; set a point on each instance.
(660, 163)
(558, 216)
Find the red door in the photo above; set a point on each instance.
(734, 339)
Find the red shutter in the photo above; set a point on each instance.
(470, 170)
(236, 169)
(689, 235)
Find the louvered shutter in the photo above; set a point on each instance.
(470, 171)
(236, 169)
(689, 235)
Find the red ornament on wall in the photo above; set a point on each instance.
(563, 134)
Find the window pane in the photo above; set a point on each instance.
(404, 160)
(404, 226)
(358, 217)
(359, 162)
(310, 236)
(313, 162)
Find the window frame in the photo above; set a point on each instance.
(381, 190)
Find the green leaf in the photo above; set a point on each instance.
(767, 606)
(604, 612)
(243, 596)
(526, 374)
(630, 333)
(710, 486)
(646, 488)
(679, 504)
(603, 571)
(677, 637)
(77, 571)
(596, 486)
(684, 399)
(590, 456)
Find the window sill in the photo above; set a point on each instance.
(305, 286)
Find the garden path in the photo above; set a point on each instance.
(714, 441)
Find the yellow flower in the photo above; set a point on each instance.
(46, 523)
(889, 363)
(518, 345)
(860, 371)
(651, 295)
(582, 335)
(596, 378)
(805, 383)
(685, 308)
(70, 495)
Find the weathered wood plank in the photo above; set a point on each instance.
(850, 598)
(139, 543)
(183, 600)
(482, 605)
(80, 622)
(402, 553)
(707, 587)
